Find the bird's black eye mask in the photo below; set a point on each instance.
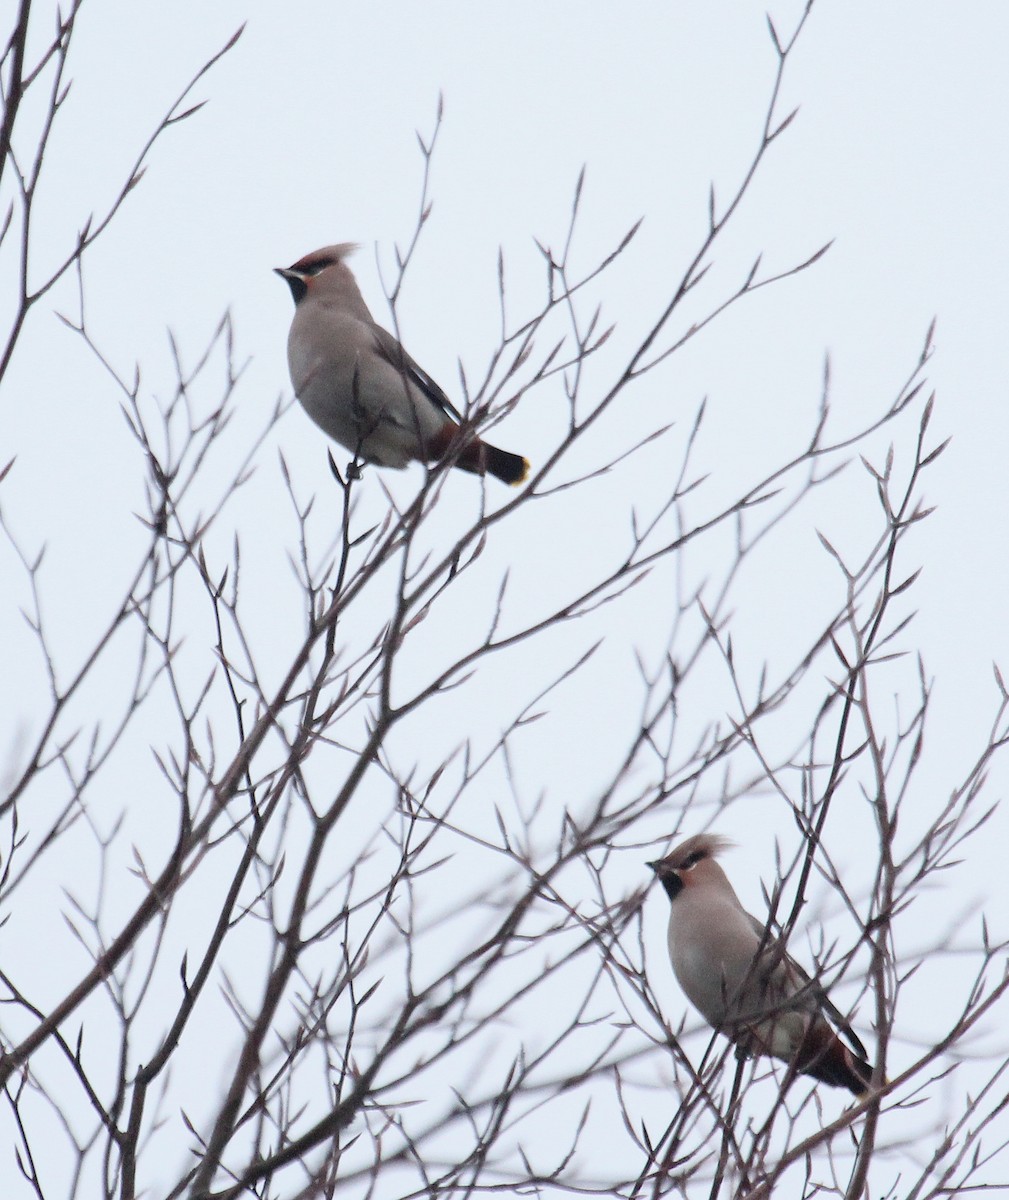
(693, 859)
(670, 880)
(672, 883)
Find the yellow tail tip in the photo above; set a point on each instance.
(526, 468)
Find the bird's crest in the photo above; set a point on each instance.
(318, 260)
(696, 848)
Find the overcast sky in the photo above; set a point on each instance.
(308, 137)
(898, 154)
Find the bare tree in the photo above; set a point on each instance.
(319, 933)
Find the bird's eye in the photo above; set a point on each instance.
(692, 860)
(318, 268)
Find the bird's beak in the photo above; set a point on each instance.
(285, 273)
(654, 866)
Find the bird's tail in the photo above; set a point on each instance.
(824, 1056)
(484, 459)
(502, 464)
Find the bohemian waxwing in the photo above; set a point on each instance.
(741, 983)
(362, 388)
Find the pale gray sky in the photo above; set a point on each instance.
(898, 153)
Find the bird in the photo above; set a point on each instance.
(742, 982)
(362, 388)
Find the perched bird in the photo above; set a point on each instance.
(739, 979)
(359, 384)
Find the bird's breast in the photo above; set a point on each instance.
(706, 977)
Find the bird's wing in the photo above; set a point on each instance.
(811, 987)
(389, 349)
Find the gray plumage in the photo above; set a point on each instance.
(362, 388)
(737, 977)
